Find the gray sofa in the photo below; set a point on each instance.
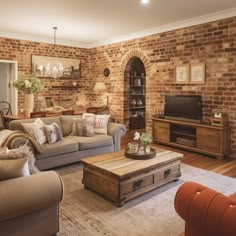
(30, 205)
(71, 148)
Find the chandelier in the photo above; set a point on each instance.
(54, 68)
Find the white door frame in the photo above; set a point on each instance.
(14, 99)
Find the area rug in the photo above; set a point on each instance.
(85, 213)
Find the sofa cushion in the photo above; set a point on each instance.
(67, 122)
(67, 145)
(13, 168)
(36, 130)
(20, 153)
(17, 124)
(101, 122)
(53, 133)
(99, 140)
(82, 127)
(50, 120)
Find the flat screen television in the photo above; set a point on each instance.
(183, 107)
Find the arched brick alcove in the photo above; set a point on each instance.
(125, 73)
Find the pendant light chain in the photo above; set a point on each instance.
(54, 68)
(55, 35)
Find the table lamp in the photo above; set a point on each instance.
(101, 87)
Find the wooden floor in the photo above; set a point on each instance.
(226, 167)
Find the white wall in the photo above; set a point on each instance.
(4, 80)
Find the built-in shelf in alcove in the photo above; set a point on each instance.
(137, 94)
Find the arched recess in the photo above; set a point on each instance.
(135, 67)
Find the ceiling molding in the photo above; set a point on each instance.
(43, 40)
(178, 25)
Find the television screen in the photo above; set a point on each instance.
(187, 107)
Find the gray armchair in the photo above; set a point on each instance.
(30, 205)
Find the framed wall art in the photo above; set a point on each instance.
(197, 73)
(182, 74)
(43, 66)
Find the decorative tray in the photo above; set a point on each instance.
(140, 155)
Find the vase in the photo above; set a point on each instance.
(139, 102)
(28, 104)
(146, 148)
(133, 103)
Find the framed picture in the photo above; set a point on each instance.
(40, 66)
(182, 74)
(197, 74)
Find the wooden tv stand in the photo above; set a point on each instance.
(197, 137)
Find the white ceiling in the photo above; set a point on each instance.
(89, 23)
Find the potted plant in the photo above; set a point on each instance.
(30, 85)
(145, 139)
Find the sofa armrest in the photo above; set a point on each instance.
(27, 194)
(205, 211)
(21, 141)
(116, 131)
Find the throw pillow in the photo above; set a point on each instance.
(36, 130)
(76, 129)
(90, 117)
(101, 122)
(53, 133)
(83, 127)
(13, 168)
(20, 153)
(67, 122)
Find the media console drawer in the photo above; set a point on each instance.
(209, 140)
(161, 130)
(208, 132)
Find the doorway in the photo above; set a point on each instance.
(9, 73)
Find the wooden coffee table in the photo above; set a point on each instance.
(120, 179)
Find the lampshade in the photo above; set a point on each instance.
(100, 87)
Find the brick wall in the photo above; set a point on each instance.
(212, 43)
(22, 50)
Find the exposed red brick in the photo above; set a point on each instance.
(213, 43)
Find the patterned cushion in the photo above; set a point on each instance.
(83, 127)
(14, 168)
(53, 133)
(67, 122)
(14, 163)
(19, 153)
(36, 130)
(89, 117)
(101, 122)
